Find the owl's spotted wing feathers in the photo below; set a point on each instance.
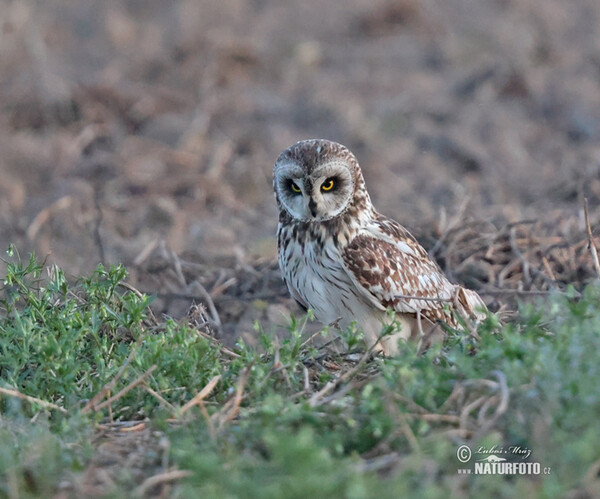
(392, 267)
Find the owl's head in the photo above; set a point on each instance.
(316, 180)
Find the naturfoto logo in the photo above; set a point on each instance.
(492, 461)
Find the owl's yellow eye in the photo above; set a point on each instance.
(295, 188)
(328, 185)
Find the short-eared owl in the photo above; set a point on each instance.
(342, 259)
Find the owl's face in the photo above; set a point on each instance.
(312, 183)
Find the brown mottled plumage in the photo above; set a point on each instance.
(344, 260)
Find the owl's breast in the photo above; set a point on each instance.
(312, 267)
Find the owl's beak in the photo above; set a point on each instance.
(312, 206)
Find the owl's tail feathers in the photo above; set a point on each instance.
(471, 304)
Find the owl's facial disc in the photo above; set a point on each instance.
(319, 195)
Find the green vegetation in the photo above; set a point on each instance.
(287, 421)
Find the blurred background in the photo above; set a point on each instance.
(129, 127)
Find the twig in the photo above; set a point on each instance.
(518, 292)
(306, 379)
(43, 216)
(466, 410)
(199, 397)
(310, 338)
(138, 427)
(464, 317)
(237, 399)
(127, 389)
(222, 349)
(591, 244)
(408, 433)
(138, 260)
(109, 386)
(526, 265)
(110, 412)
(316, 397)
(377, 463)
(451, 226)
(209, 422)
(445, 418)
(34, 400)
(210, 304)
(155, 480)
(159, 397)
(98, 223)
(502, 406)
(423, 298)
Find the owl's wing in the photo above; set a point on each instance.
(389, 266)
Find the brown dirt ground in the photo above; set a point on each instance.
(145, 133)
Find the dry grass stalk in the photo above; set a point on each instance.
(137, 427)
(43, 216)
(231, 409)
(109, 386)
(125, 390)
(159, 397)
(200, 396)
(591, 244)
(33, 400)
(153, 481)
(317, 398)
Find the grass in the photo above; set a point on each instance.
(285, 421)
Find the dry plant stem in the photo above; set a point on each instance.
(591, 244)
(408, 433)
(127, 389)
(109, 386)
(237, 399)
(200, 396)
(444, 418)
(145, 253)
(222, 349)
(209, 422)
(454, 223)
(34, 400)
(377, 463)
(466, 320)
(466, 410)
(110, 412)
(137, 427)
(98, 224)
(159, 397)
(410, 402)
(528, 269)
(176, 263)
(139, 295)
(502, 406)
(517, 292)
(339, 394)
(43, 216)
(316, 398)
(423, 298)
(306, 379)
(311, 337)
(155, 480)
(211, 305)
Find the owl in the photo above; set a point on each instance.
(348, 263)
